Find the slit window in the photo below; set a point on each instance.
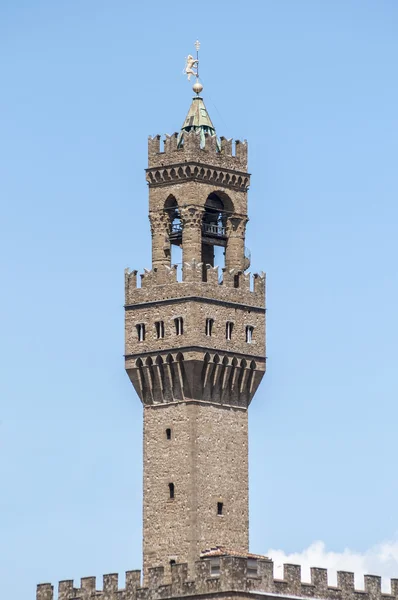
(179, 325)
(168, 434)
(220, 507)
(228, 330)
(172, 562)
(171, 491)
(159, 326)
(141, 331)
(209, 326)
(249, 333)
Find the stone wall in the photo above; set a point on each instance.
(206, 459)
(231, 577)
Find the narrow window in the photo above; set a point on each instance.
(214, 567)
(168, 434)
(249, 333)
(209, 326)
(141, 332)
(159, 326)
(172, 562)
(171, 491)
(236, 281)
(179, 323)
(219, 508)
(252, 567)
(228, 330)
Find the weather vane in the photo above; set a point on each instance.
(190, 65)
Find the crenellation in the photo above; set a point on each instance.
(226, 146)
(346, 582)
(162, 282)
(211, 143)
(319, 578)
(179, 575)
(241, 151)
(373, 586)
(155, 577)
(88, 585)
(212, 275)
(192, 149)
(170, 143)
(191, 146)
(66, 591)
(110, 583)
(153, 147)
(259, 284)
(292, 578)
(231, 575)
(130, 284)
(44, 591)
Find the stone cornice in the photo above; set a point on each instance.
(203, 299)
(194, 171)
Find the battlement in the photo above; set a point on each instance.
(195, 148)
(234, 285)
(241, 576)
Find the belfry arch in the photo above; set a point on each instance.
(214, 227)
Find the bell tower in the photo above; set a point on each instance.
(195, 345)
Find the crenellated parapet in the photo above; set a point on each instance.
(245, 577)
(232, 156)
(161, 283)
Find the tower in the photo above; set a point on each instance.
(195, 345)
(195, 354)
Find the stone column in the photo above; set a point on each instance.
(191, 235)
(235, 250)
(161, 252)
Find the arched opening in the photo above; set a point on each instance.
(175, 234)
(214, 238)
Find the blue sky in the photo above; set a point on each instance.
(312, 86)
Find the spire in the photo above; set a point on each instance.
(198, 118)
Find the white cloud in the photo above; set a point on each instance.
(381, 559)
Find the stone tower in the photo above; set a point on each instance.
(195, 353)
(195, 345)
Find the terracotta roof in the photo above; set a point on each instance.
(222, 551)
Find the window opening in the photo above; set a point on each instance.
(179, 324)
(176, 259)
(214, 233)
(214, 567)
(171, 491)
(168, 433)
(220, 507)
(141, 331)
(209, 326)
(159, 325)
(228, 330)
(251, 567)
(172, 562)
(249, 334)
(175, 234)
